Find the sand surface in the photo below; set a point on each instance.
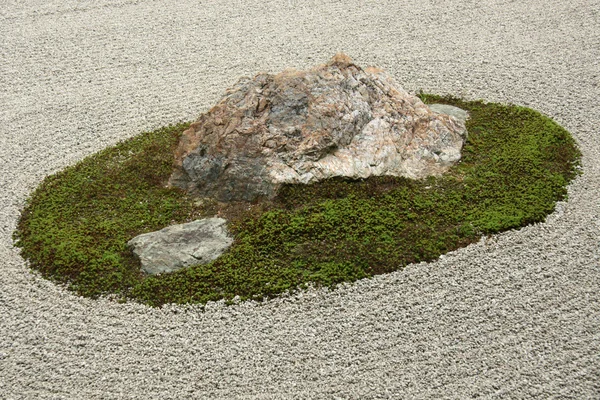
(516, 316)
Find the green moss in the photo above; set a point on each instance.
(74, 228)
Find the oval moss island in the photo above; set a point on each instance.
(74, 228)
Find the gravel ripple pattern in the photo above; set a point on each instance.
(515, 316)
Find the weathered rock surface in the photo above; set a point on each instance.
(458, 113)
(180, 246)
(304, 126)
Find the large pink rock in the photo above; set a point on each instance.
(305, 126)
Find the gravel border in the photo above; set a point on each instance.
(513, 316)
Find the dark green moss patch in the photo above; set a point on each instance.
(75, 226)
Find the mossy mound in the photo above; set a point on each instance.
(74, 228)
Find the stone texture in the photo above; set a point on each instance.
(180, 246)
(304, 126)
(458, 113)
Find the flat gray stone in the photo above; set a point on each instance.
(458, 113)
(180, 246)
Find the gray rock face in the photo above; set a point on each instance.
(458, 113)
(180, 246)
(305, 126)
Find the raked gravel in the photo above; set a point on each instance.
(514, 316)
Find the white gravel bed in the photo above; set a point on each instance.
(516, 316)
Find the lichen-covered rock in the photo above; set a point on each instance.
(304, 126)
(180, 246)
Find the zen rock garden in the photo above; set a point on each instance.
(298, 127)
(319, 177)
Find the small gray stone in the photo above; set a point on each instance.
(458, 113)
(180, 246)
